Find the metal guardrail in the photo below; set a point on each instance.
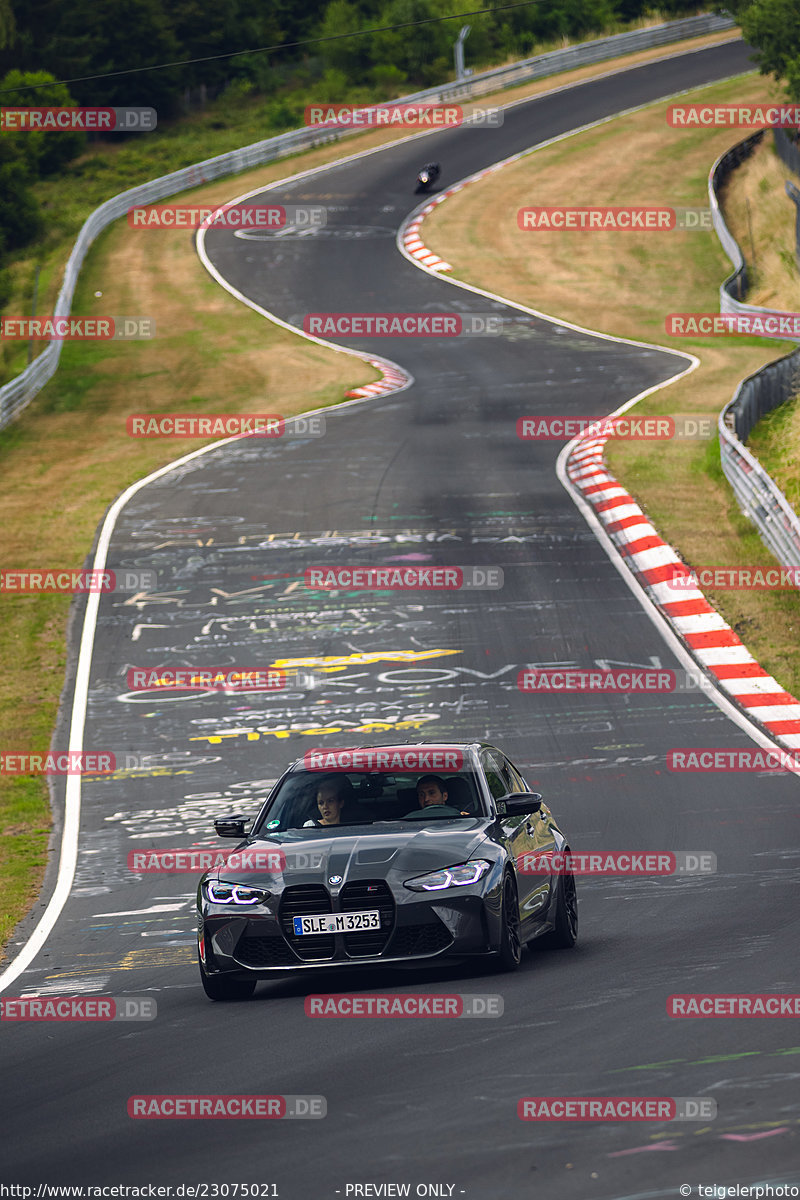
(16, 394)
(758, 496)
(787, 148)
(757, 493)
(735, 286)
(584, 55)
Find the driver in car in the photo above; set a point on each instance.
(432, 792)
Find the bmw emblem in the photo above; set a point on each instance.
(334, 879)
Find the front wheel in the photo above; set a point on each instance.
(224, 987)
(564, 934)
(509, 953)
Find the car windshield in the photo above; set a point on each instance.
(316, 799)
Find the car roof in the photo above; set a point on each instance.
(468, 749)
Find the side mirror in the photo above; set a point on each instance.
(232, 826)
(518, 804)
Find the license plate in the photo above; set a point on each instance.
(337, 922)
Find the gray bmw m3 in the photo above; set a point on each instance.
(380, 856)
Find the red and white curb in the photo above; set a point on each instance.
(410, 240)
(394, 378)
(706, 635)
(701, 631)
(414, 245)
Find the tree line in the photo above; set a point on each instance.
(94, 37)
(102, 46)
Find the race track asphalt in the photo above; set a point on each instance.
(434, 475)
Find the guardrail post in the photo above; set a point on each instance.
(458, 51)
(794, 194)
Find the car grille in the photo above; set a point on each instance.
(360, 896)
(300, 901)
(264, 952)
(412, 941)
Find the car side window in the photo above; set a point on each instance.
(517, 783)
(494, 777)
(510, 778)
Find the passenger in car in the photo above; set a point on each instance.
(331, 797)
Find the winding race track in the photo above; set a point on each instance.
(432, 475)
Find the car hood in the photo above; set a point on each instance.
(399, 850)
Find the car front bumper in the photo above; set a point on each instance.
(415, 929)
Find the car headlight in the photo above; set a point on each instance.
(461, 876)
(219, 891)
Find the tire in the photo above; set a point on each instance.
(564, 934)
(224, 987)
(509, 953)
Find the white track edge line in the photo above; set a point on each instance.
(72, 803)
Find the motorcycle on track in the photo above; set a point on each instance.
(427, 177)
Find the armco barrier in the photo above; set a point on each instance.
(735, 286)
(787, 148)
(18, 392)
(757, 494)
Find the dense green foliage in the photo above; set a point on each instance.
(773, 27)
(94, 37)
(26, 157)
